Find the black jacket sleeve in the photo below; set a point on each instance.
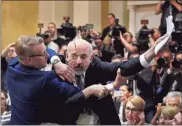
(108, 71)
(4, 64)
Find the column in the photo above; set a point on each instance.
(132, 19)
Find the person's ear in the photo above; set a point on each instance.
(91, 58)
(130, 93)
(66, 56)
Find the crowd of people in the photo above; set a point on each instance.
(80, 76)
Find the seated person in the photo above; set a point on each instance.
(134, 111)
(167, 115)
(126, 92)
(5, 110)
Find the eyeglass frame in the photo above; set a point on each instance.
(44, 54)
(133, 110)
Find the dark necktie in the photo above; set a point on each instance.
(80, 81)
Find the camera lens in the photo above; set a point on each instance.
(176, 64)
(161, 62)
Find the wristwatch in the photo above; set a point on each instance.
(54, 60)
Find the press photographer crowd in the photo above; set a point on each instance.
(71, 75)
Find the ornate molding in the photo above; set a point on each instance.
(131, 7)
(135, 3)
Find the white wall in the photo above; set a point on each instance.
(61, 10)
(46, 13)
(52, 11)
(80, 12)
(147, 12)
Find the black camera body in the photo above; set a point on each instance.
(177, 34)
(69, 31)
(161, 62)
(177, 64)
(117, 29)
(44, 36)
(143, 35)
(143, 38)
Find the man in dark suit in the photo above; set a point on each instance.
(93, 71)
(40, 96)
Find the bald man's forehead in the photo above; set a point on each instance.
(78, 47)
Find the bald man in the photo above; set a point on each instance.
(91, 70)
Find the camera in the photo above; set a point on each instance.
(176, 36)
(69, 31)
(143, 34)
(117, 29)
(176, 63)
(67, 23)
(161, 62)
(143, 38)
(44, 36)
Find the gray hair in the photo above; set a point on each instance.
(81, 41)
(175, 94)
(23, 45)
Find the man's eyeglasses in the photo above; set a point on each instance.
(44, 54)
(128, 109)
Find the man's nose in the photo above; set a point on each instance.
(78, 61)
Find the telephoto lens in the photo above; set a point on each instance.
(161, 62)
(176, 63)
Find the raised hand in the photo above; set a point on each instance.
(142, 118)
(119, 80)
(7, 50)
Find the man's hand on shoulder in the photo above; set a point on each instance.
(64, 72)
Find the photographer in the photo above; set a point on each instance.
(154, 36)
(177, 72)
(146, 37)
(127, 41)
(110, 38)
(165, 8)
(52, 27)
(48, 42)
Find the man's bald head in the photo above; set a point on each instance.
(79, 55)
(80, 43)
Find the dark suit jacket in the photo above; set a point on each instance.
(101, 72)
(39, 97)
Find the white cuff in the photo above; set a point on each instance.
(169, 71)
(53, 58)
(110, 87)
(143, 61)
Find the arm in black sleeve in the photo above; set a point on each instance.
(65, 95)
(109, 70)
(4, 64)
(104, 33)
